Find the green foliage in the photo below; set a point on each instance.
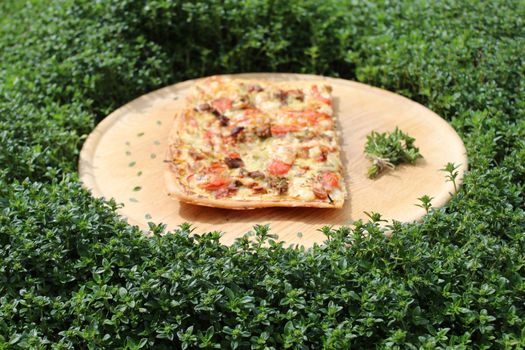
(74, 275)
(425, 202)
(388, 149)
(452, 173)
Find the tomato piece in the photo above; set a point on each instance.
(276, 167)
(248, 117)
(330, 180)
(222, 104)
(319, 97)
(252, 112)
(216, 182)
(228, 140)
(234, 155)
(215, 177)
(216, 167)
(284, 129)
(307, 117)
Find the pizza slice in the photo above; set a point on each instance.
(244, 144)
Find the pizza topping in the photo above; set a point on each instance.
(203, 107)
(221, 118)
(228, 191)
(317, 95)
(225, 192)
(322, 157)
(195, 155)
(212, 177)
(236, 184)
(256, 174)
(277, 167)
(279, 130)
(303, 153)
(307, 117)
(222, 104)
(282, 96)
(319, 153)
(236, 131)
(282, 159)
(243, 102)
(297, 94)
(279, 184)
(264, 131)
(316, 153)
(213, 182)
(233, 163)
(255, 88)
(288, 96)
(330, 180)
(284, 153)
(319, 192)
(326, 183)
(259, 190)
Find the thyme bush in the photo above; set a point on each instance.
(74, 275)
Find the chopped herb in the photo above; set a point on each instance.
(139, 173)
(153, 156)
(128, 153)
(134, 200)
(140, 134)
(386, 150)
(147, 216)
(137, 188)
(300, 234)
(132, 163)
(159, 122)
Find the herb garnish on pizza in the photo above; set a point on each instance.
(245, 144)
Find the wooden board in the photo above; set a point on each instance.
(123, 159)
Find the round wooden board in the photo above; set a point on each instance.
(123, 159)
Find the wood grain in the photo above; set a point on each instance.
(123, 159)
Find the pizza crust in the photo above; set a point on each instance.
(176, 191)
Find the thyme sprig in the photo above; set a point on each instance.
(386, 150)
